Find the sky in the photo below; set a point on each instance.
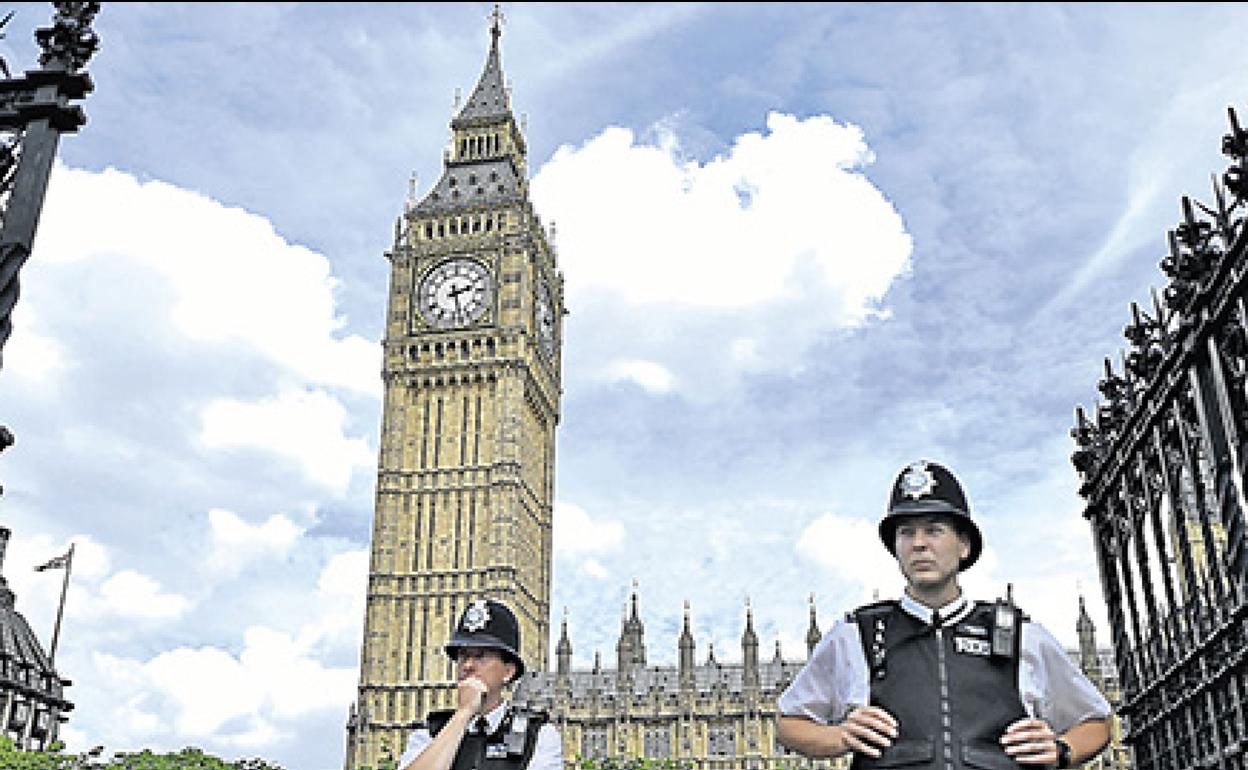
(804, 245)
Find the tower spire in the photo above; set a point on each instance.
(812, 632)
(496, 24)
(685, 649)
(489, 100)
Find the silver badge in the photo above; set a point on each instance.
(970, 646)
(917, 481)
(476, 616)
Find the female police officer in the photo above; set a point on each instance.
(483, 732)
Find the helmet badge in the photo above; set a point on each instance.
(476, 616)
(917, 481)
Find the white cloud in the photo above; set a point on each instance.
(305, 426)
(717, 257)
(593, 568)
(340, 596)
(231, 277)
(851, 550)
(251, 698)
(738, 230)
(32, 354)
(235, 542)
(130, 594)
(650, 376)
(575, 533)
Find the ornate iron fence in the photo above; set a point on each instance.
(1164, 468)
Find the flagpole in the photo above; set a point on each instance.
(60, 610)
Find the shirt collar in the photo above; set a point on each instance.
(951, 613)
(495, 716)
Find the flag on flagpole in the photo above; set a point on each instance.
(56, 562)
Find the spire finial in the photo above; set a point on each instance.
(496, 22)
(413, 183)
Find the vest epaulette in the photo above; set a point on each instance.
(874, 609)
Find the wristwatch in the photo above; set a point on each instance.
(1063, 754)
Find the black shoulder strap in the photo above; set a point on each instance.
(872, 620)
(521, 735)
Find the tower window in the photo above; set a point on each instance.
(428, 229)
(472, 179)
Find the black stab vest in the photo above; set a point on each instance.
(951, 696)
(510, 747)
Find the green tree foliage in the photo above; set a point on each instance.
(54, 758)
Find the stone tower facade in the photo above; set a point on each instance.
(465, 479)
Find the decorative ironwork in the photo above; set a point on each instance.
(1164, 472)
(34, 111)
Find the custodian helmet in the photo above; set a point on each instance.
(489, 624)
(928, 488)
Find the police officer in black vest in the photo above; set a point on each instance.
(483, 731)
(935, 680)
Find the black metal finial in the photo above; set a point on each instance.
(496, 22)
(1235, 146)
(70, 41)
(4, 67)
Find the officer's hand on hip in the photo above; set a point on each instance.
(1031, 741)
(868, 729)
(470, 695)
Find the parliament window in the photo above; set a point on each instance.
(658, 741)
(720, 740)
(594, 741)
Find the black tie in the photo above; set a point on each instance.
(481, 726)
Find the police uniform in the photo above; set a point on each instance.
(505, 738)
(955, 677)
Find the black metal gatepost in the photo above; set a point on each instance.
(35, 110)
(1164, 470)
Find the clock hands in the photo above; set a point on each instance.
(454, 293)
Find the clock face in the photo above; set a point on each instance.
(544, 319)
(455, 293)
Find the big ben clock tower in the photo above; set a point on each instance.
(465, 478)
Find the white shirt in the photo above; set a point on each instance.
(547, 754)
(836, 678)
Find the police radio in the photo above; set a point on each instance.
(1004, 629)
